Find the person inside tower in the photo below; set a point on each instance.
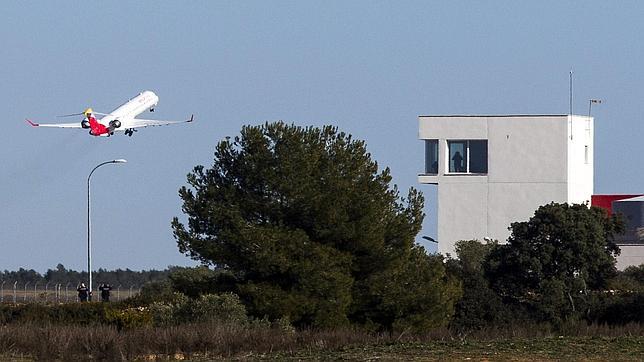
(458, 162)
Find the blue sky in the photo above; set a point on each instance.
(369, 67)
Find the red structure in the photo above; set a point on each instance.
(606, 201)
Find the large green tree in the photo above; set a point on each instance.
(555, 259)
(307, 224)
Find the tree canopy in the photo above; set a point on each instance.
(480, 306)
(310, 228)
(553, 260)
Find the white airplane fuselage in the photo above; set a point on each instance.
(132, 108)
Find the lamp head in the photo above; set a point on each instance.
(120, 160)
(428, 238)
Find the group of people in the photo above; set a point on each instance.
(84, 294)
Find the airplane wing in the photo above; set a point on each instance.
(57, 125)
(139, 123)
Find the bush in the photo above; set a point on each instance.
(194, 282)
(222, 308)
(617, 309)
(129, 318)
(152, 292)
(169, 311)
(73, 313)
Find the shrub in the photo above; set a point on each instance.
(152, 292)
(194, 282)
(129, 318)
(617, 309)
(170, 311)
(225, 308)
(73, 313)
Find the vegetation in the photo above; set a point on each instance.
(308, 253)
(479, 306)
(554, 262)
(309, 229)
(557, 268)
(63, 275)
(264, 341)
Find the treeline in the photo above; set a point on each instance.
(60, 274)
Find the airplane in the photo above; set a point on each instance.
(122, 118)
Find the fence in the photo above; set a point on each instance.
(38, 292)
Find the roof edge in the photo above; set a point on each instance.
(499, 115)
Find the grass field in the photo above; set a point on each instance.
(553, 348)
(202, 342)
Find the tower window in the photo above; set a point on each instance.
(467, 156)
(431, 157)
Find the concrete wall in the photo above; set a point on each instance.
(527, 150)
(630, 255)
(515, 202)
(529, 159)
(580, 165)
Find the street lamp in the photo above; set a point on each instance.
(89, 224)
(428, 238)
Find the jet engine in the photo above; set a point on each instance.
(85, 124)
(115, 123)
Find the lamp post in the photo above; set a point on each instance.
(89, 223)
(428, 238)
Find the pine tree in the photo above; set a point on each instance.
(305, 222)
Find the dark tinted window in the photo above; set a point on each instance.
(478, 156)
(431, 156)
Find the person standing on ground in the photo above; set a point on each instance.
(82, 292)
(105, 292)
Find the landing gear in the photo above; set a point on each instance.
(129, 132)
(152, 109)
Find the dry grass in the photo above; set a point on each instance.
(209, 341)
(104, 342)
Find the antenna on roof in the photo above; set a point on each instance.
(570, 89)
(571, 103)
